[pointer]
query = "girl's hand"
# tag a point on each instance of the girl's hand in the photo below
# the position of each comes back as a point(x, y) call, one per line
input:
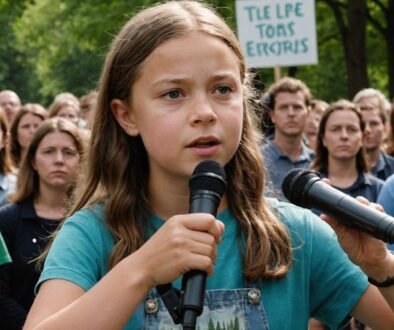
point(183, 243)
point(369, 253)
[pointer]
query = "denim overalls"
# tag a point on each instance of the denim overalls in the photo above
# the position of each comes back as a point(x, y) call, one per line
point(231, 309)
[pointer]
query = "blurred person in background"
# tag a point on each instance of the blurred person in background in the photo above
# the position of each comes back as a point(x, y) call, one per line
point(65, 107)
point(11, 104)
point(46, 181)
point(66, 96)
point(88, 104)
point(390, 139)
point(374, 110)
point(7, 171)
point(316, 110)
point(386, 196)
point(23, 127)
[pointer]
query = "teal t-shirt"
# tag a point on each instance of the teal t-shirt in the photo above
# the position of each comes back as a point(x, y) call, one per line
point(4, 255)
point(322, 282)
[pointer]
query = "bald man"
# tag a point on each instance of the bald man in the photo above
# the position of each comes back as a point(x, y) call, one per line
point(11, 103)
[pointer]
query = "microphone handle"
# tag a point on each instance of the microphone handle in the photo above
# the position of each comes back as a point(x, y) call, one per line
point(194, 281)
point(361, 217)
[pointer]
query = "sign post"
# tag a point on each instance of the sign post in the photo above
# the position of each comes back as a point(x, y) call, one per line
point(276, 33)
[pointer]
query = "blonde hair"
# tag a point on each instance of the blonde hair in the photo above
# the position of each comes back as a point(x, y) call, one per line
point(318, 106)
point(62, 103)
point(117, 164)
point(384, 104)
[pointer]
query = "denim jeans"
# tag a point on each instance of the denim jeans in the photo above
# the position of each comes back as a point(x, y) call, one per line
point(225, 309)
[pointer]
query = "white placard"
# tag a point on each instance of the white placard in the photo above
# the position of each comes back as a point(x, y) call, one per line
point(277, 32)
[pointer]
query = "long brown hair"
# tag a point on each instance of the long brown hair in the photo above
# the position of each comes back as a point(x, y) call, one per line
point(28, 180)
point(5, 156)
point(112, 154)
point(36, 110)
point(320, 162)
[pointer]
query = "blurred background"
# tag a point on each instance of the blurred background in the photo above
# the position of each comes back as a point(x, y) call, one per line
point(51, 46)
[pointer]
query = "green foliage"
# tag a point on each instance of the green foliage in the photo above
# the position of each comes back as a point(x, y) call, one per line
point(52, 46)
point(67, 41)
point(14, 74)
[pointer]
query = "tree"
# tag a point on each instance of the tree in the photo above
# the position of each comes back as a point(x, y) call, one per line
point(353, 35)
point(211, 326)
point(383, 22)
point(14, 74)
point(236, 323)
point(218, 326)
point(51, 46)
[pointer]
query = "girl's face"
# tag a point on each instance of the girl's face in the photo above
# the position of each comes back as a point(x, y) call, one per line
point(69, 113)
point(343, 136)
point(56, 160)
point(26, 128)
point(187, 105)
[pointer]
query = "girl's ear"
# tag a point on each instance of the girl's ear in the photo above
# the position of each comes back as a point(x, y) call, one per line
point(124, 116)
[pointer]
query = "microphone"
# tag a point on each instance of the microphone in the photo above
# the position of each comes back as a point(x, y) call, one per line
point(207, 186)
point(304, 188)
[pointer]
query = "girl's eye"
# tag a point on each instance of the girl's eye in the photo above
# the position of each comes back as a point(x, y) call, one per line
point(172, 95)
point(223, 90)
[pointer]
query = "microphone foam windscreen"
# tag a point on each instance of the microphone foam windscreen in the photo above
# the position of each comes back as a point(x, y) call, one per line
point(208, 175)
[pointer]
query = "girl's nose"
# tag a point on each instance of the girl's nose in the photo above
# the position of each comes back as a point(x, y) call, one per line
point(202, 111)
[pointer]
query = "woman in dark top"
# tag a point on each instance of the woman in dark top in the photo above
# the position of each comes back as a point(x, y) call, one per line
point(341, 158)
point(45, 181)
point(340, 155)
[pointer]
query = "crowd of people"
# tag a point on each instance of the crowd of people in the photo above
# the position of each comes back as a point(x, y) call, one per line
point(40, 159)
point(94, 191)
point(346, 141)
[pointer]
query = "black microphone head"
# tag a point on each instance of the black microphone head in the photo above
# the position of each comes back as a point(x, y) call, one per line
point(210, 176)
point(294, 185)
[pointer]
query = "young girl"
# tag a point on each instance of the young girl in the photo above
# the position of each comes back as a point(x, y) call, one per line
point(174, 92)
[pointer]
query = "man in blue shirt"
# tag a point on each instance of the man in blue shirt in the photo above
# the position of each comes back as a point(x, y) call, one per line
point(373, 105)
point(289, 101)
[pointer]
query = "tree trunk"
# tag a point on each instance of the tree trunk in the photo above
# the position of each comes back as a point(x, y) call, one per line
point(292, 71)
point(353, 36)
point(356, 51)
point(390, 47)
